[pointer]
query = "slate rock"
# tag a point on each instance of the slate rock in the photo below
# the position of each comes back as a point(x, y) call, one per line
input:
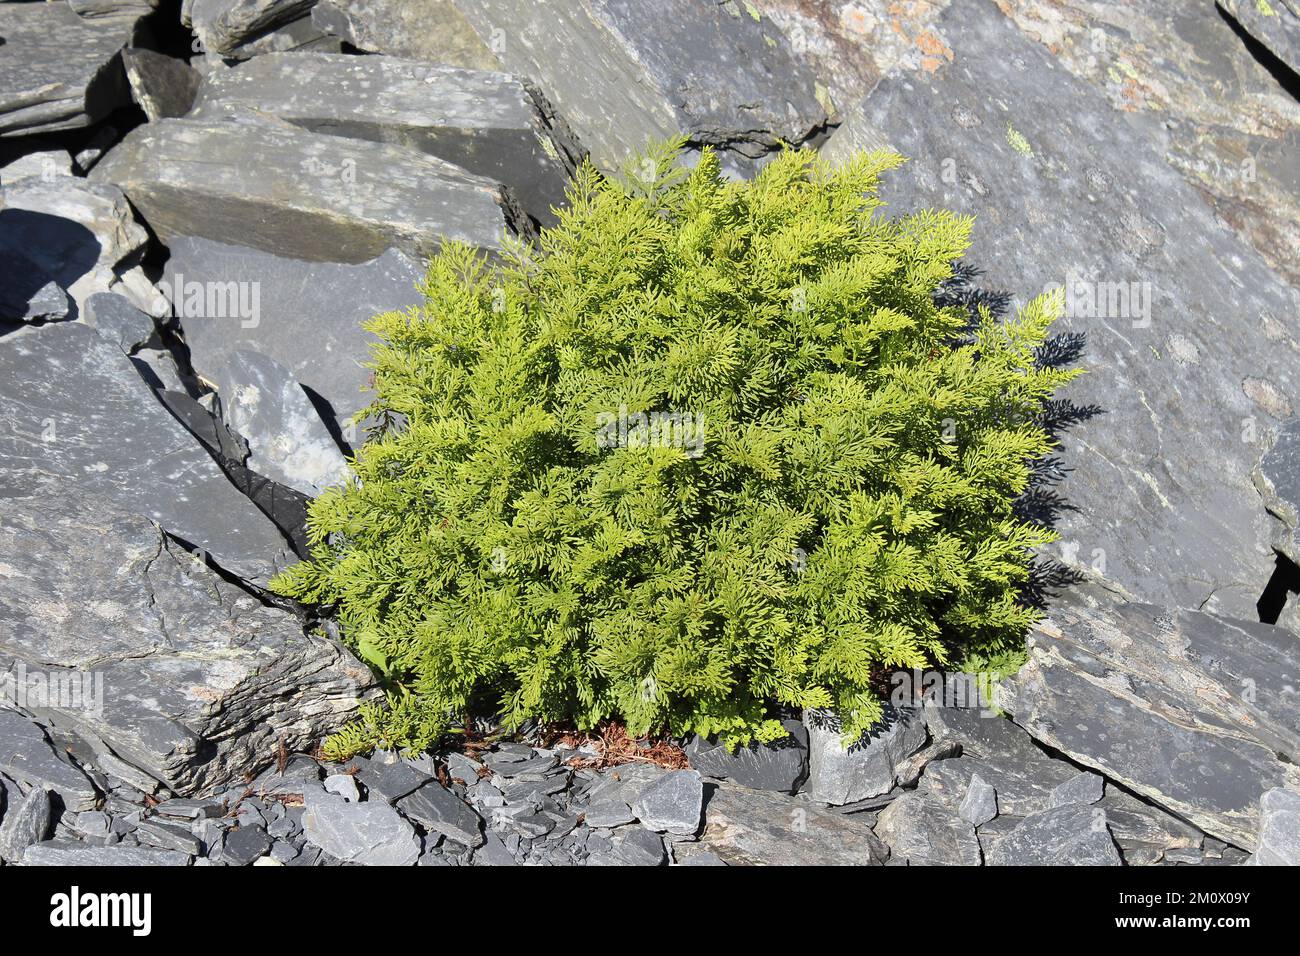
point(126, 449)
point(1083, 790)
point(1179, 373)
point(608, 814)
point(493, 852)
point(302, 35)
point(76, 853)
point(1278, 843)
point(919, 828)
point(198, 682)
point(1145, 833)
point(439, 810)
point(222, 26)
point(488, 123)
point(1277, 477)
point(343, 785)
point(245, 845)
point(28, 293)
point(672, 803)
point(781, 765)
point(1062, 836)
point(370, 833)
point(463, 768)
point(27, 823)
point(839, 775)
point(168, 836)
point(760, 828)
point(980, 805)
point(430, 30)
point(161, 85)
point(27, 756)
point(288, 442)
point(624, 783)
point(1190, 710)
point(59, 71)
point(391, 779)
point(1274, 23)
point(114, 317)
point(275, 187)
point(641, 847)
point(709, 71)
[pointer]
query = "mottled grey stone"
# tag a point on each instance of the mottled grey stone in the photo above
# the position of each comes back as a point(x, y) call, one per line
point(25, 824)
point(168, 836)
point(123, 446)
point(624, 783)
point(433, 31)
point(649, 71)
point(343, 785)
point(187, 808)
point(488, 123)
point(58, 71)
point(1063, 836)
point(1083, 789)
point(222, 26)
point(980, 805)
point(1274, 23)
point(28, 293)
point(460, 767)
point(756, 827)
point(1193, 711)
point(27, 756)
point(161, 85)
point(672, 803)
point(608, 813)
point(180, 673)
point(1158, 484)
point(439, 810)
point(1278, 843)
point(272, 186)
point(370, 833)
point(839, 775)
point(287, 441)
point(533, 767)
point(1278, 479)
point(114, 317)
point(921, 829)
point(74, 853)
point(781, 765)
point(244, 845)
point(494, 853)
point(641, 847)
point(391, 779)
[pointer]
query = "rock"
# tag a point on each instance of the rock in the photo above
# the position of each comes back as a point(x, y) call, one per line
point(120, 322)
point(127, 449)
point(391, 779)
point(25, 824)
point(186, 808)
point(439, 810)
point(672, 803)
point(1193, 711)
point(370, 833)
point(980, 805)
point(1277, 477)
point(624, 783)
point(533, 768)
point(26, 754)
point(59, 71)
point(494, 853)
point(709, 71)
point(343, 785)
point(222, 26)
point(745, 827)
point(294, 193)
point(641, 847)
point(1062, 836)
point(244, 845)
point(288, 442)
point(46, 165)
point(300, 35)
point(1081, 790)
point(206, 682)
point(75, 853)
point(490, 124)
point(781, 765)
point(1278, 843)
point(460, 767)
point(80, 235)
point(837, 776)
point(1145, 833)
point(1274, 23)
point(168, 836)
point(28, 293)
point(430, 30)
point(920, 829)
point(1177, 376)
point(608, 814)
point(160, 85)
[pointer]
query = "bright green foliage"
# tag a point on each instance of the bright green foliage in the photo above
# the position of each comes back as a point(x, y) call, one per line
point(848, 509)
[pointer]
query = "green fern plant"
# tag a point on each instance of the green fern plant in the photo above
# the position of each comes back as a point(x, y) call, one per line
point(708, 450)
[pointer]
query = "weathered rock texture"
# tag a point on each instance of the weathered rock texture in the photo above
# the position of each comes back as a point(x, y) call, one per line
point(430, 30)
point(1176, 318)
point(161, 85)
point(222, 26)
point(1274, 23)
point(278, 188)
point(1278, 481)
point(198, 682)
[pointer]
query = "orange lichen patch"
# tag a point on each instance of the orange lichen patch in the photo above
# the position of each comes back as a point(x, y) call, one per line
point(931, 45)
point(931, 63)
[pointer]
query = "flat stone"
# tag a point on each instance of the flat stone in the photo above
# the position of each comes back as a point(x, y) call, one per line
point(1277, 476)
point(624, 783)
point(921, 829)
point(114, 317)
point(391, 779)
point(27, 823)
point(176, 671)
point(28, 293)
point(126, 449)
point(59, 71)
point(1187, 349)
point(672, 803)
point(161, 85)
point(494, 853)
point(439, 810)
point(460, 767)
point(1274, 23)
point(275, 187)
point(370, 833)
point(1153, 698)
point(1278, 843)
point(75, 853)
point(781, 765)
point(1145, 833)
point(288, 442)
point(43, 164)
point(244, 845)
point(649, 71)
point(745, 827)
point(1063, 836)
point(343, 785)
point(186, 808)
point(532, 767)
point(168, 836)
point(980, 805)
point(488, 123)
point(1084, 789)
point(608, 813)
point(641, 847)
point(222, 26)
point(430, 30)
point(839, 775)
point(27, 756)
